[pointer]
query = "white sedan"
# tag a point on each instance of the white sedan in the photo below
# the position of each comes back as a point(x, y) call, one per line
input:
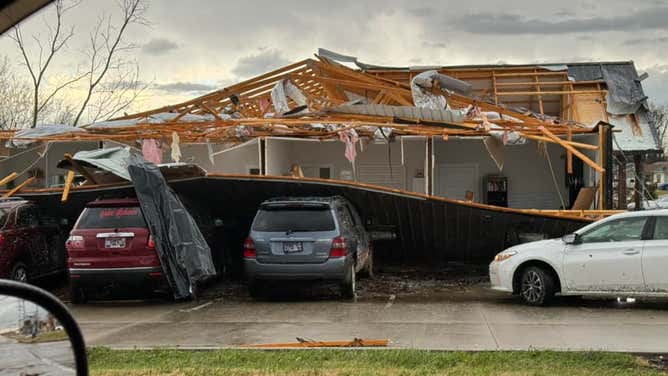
point(623, 255)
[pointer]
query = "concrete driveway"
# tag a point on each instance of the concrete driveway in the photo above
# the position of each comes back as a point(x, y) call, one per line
point(455, 318)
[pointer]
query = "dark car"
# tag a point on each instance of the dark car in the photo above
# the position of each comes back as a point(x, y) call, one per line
point(307, 238)
point(31, 242)
point(110, 249)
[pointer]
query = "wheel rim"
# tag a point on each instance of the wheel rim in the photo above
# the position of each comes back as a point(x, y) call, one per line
point(20, 275)
point(532, 287)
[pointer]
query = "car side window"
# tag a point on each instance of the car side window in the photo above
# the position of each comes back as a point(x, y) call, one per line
point(624, 229)
point(661, 228)
point(351, 214)
point(344, 215)
point(27, 217)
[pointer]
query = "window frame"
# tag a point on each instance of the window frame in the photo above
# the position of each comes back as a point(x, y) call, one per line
point(646, 233)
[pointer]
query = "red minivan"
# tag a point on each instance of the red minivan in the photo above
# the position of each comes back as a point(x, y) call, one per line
point(110, 250)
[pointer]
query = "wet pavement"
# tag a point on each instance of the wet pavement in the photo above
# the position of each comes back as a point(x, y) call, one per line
point(51, 358)
point(418, 312)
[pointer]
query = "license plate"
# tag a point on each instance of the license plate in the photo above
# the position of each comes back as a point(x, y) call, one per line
point(293, 247)
point(114, 243)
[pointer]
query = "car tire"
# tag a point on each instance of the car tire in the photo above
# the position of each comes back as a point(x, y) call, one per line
point(537, 286)
point(255, 289)
point(349, 283)
point(78, 295)
point(20, 273)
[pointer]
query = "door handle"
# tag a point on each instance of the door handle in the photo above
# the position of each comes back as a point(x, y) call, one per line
point(631, 251)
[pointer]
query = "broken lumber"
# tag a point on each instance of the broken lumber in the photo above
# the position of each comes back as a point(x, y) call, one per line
point(8, 178)
point(357, 342)
point(68, 186)
point(19, 187)
point(573, 150)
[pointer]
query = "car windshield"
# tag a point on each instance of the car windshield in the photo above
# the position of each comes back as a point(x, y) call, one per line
point(294, 219)
point(111, 217)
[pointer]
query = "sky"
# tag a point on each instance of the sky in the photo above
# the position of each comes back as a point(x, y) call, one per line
point(193, 47)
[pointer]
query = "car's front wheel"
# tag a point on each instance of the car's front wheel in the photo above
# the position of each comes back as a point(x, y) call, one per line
point(536, 286)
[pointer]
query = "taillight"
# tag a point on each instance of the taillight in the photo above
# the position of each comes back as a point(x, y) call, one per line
point(338, 247)
point(75, 242)
point(249, 248)
point(2, 240)
point(151, 243)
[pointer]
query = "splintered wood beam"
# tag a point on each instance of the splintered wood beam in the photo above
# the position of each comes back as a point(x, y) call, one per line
point(569, 154)
point(80, 168)
point(68, 186)
point(556, 92)
point(8, 178)
point(573, 150)
point(210, 110)
point(572, 143)
point(19, 187)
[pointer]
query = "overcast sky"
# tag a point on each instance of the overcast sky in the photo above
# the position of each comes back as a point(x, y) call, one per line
point(192, 47)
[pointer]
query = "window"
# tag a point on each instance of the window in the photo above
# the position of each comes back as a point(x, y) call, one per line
point(112, 217)
point(661, 228)
point(624, 229)
point(285, 219)
point(27, 217)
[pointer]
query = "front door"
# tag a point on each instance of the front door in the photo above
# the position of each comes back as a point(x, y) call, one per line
point(608, 257)
point(655, 257)
point(455, 179)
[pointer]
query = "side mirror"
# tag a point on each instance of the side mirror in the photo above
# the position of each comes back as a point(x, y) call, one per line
point(571, 238)
point(40, 317)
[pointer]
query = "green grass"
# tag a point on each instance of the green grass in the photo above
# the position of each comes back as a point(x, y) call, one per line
point(108, 362)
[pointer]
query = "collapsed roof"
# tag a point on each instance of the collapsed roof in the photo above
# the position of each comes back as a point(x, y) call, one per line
point(322, 98)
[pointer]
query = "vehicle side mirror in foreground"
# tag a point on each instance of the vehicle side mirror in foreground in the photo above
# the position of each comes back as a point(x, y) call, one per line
point(571, 238)
point(39, 334)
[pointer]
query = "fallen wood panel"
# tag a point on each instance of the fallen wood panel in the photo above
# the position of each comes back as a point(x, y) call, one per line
point(430, 231)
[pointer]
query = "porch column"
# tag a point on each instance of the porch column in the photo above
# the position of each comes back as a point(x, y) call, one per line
point(621, 184)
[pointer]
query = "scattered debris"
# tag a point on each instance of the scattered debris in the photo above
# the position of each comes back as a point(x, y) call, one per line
point(301, 342)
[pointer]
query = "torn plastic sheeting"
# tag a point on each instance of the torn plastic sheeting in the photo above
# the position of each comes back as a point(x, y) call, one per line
point(283, 90)
point(184, 254)
point(422, 89)
point(25, 137)
point(160, 117)
point(114, 160)
point(404, 112)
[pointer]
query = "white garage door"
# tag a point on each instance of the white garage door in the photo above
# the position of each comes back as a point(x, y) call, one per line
point(454, 179)
point(379, 174)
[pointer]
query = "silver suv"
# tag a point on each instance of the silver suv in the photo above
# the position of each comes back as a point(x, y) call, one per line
point(307, 238)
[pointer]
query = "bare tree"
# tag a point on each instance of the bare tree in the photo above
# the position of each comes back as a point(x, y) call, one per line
point(111, 82)
point(15, 98)
point(106, 46)
point(658, 115)
point(55, 42)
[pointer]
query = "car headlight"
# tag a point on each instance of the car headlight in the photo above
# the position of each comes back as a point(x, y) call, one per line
point(504, 255)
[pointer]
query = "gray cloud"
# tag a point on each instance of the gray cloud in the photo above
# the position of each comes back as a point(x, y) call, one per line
point(159, 46)
point(507, 23)
point(184, 87)
point(635, 41)
point(261, 62)
point(655, 86)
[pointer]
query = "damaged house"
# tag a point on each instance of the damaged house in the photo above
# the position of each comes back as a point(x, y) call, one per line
point(533, 143)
